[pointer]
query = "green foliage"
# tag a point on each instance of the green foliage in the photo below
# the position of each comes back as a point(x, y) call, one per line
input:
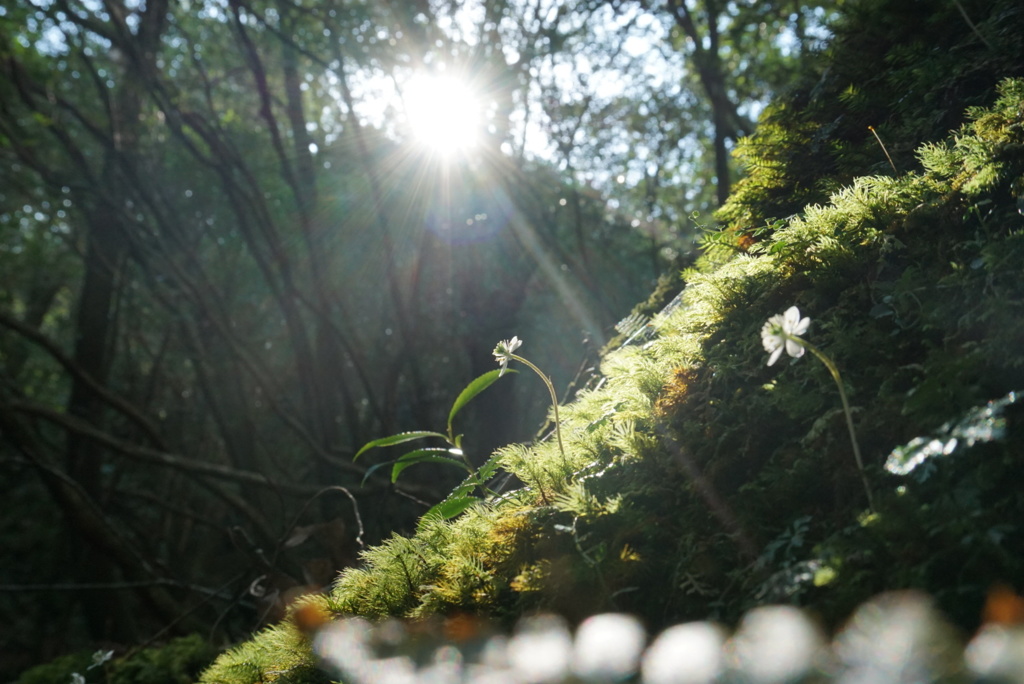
point(910, 70)
point(447, 565)
point(279, 653)
point(179, 661)
point(461, 497)
point(699, 483)
point(952, 525)
point(57, 670)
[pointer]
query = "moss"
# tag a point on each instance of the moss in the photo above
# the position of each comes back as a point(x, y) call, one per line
point(697, 482)
point(910, 70)
point(179, 661)
point(57, 670)
point(280, 653)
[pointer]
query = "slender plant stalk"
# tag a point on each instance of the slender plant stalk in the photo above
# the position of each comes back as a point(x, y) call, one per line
point(970, 23)
point(846, 410)
point(554, 400)
point(875, 133)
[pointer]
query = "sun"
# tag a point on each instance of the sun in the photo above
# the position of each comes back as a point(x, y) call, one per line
point(443, 114)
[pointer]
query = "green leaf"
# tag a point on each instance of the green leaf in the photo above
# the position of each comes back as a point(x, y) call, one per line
point(451, 507)
point(423, 456)
point(459, 500)
point(487, 470)
point(372, 469)
point(413, 455)
point(472, 389)
point(400, 438)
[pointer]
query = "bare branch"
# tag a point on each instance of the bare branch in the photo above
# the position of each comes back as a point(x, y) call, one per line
point(113, 400)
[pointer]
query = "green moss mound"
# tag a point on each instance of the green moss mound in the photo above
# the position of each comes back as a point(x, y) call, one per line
point(698, 482)
point(179, 661)
point(896, 74)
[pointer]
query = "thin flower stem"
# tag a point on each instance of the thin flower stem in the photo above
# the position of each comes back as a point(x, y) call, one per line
point(875, 133)
point(970, 23)
point(846, 410)
point(554, 400)
point(469, 466)
point(457, 446)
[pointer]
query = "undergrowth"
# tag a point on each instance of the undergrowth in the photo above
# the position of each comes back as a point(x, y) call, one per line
point(699, 483)
point(179, 661)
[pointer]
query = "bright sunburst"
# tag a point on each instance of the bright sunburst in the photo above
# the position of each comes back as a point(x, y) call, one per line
point(443, 113)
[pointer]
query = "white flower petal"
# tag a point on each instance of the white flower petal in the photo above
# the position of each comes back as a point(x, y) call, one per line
point(776, 644)
point(997, 653)
point(792, 318)
point(540, 650)
point(685, 654)
point(345, 644)
point(897, 637)
point(100, 657)
point(608, 647)
point(503, 352)
point(782, 331)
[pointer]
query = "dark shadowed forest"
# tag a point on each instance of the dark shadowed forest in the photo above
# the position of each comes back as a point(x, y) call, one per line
point(676, 308)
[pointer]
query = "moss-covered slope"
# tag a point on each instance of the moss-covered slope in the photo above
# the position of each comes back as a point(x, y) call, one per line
point(698, 482)
point(896, 74)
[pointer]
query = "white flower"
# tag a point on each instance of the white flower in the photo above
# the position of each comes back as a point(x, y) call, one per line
point(777, 644)
point(100, 657)
point(608, 647)
point(690, 653)
point(540, 652)
point(76, 678)
point(781, 332)
point(503, 352)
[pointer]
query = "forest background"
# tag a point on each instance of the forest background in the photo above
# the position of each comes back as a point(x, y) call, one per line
point(228, 262)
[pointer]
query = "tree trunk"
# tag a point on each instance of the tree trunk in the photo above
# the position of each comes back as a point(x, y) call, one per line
point(708, 63)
